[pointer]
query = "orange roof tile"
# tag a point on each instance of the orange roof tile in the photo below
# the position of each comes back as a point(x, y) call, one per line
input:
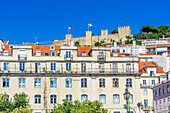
point(82, 49)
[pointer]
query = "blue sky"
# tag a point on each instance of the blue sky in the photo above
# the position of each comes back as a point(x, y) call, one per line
point(22, 20)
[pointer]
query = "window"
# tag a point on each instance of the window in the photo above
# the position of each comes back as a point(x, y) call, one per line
point(37, 99)
point(6, 53)
point(156, 94)
point(102, 83)
point(156, 105)
point(38, 53)
point(6, 66)
point(10, 47)
point(129, 82)
point(5, 83)
point(145, 92)
point(83, 82)
point(84, 97)
point(68, 54)
point(123, 50)
point(69, 97)
point(146, 103)
point(168, 90)
point(83, 67)
point(116, 99)
point(144, 82)
point(163, 90)
point(115, 68)
point(53, 99)
point(164, 103)
point(83, 53)
point(22, 83)
point(153, 82)
point(160, 104)
point(131, 99)
point(168, 102)
point(22, 66)
point(53, 83)
point(37, 83)
point(68, 66)
point(52, 66)
point(152, 73)
point(46, 54)
point(128, 67)
point(102, 98)
point(52, 48)
point(53, 53)
point(159, 91)
point(115, 82)
point(68, 82)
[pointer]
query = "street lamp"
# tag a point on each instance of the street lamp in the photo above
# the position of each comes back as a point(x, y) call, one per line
point(126, 96)
point(140, 106)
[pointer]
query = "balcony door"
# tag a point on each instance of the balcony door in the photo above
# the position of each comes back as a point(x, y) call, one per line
point(83, 67)
point(37, 68)
point(101, 67)
point(68, 54)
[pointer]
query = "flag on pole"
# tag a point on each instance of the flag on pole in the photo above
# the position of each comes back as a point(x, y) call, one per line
point(90, 25)
point(70, 28)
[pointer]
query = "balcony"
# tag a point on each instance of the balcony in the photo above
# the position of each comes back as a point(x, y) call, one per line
point(103, 71)
point(22, 57)
point(101, 58)
point(68, 57)
point(147, 85)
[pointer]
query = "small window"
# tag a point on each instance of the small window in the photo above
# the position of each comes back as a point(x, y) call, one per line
point(10, 47)
point(53, 82)
point(22, 83)
point(116, 99)
point(68, 82)
point(5, 83)
point(38, 53)
point(83, 53)
point(84, 97)
point(46, 54)
point(83, 82)
point(145, 92)
point(53, 99)
point(129, 82)
point(69, 97)
point(102, 83)
point(37, 83)
point(52, 48)
point(102, 98)
point(6, 53)
point(115, 82)
point(37, 99)
point(52, 53)
point(37, 48)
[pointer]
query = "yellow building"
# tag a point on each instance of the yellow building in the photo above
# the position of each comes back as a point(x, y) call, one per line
point(152, 74)
point(50, 73)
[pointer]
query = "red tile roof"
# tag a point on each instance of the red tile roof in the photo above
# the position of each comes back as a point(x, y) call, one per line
point(83, 49)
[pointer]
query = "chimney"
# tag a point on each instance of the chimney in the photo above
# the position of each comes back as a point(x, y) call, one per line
point(115, 44)
point(134, 42)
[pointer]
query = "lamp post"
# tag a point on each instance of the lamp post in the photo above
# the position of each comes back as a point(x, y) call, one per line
point(140, 106)
point(126, 97)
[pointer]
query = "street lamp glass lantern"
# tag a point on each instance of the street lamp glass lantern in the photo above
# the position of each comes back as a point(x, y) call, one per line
point(126, 95)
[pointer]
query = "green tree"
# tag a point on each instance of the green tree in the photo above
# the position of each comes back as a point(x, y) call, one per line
point(77, 43)
point(78, 107)
point(19, 103)
point(149, 29)
point(128, 37)
point(97, 44)
point(114, 31)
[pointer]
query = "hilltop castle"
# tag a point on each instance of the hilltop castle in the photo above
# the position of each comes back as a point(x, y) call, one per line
point(89, 39)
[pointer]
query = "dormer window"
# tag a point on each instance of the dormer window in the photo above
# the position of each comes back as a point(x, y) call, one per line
point(37, 48)
point(6, 53)
point(38, 53)
point(52, 53)
point(10, 47)
point(83, 53)
point(152, 73)
point(52, 48)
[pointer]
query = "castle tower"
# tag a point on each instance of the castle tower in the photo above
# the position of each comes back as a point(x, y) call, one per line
point(123, 32)
point(68, 38)
point(104, 35)
point(88, 37)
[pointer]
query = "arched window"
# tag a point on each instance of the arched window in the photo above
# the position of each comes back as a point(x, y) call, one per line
point(131, 99)
point(102, 98)
point(69, 97)
point(37, 99)
point(116, 99)
point(84, 97)
point(53, 99)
